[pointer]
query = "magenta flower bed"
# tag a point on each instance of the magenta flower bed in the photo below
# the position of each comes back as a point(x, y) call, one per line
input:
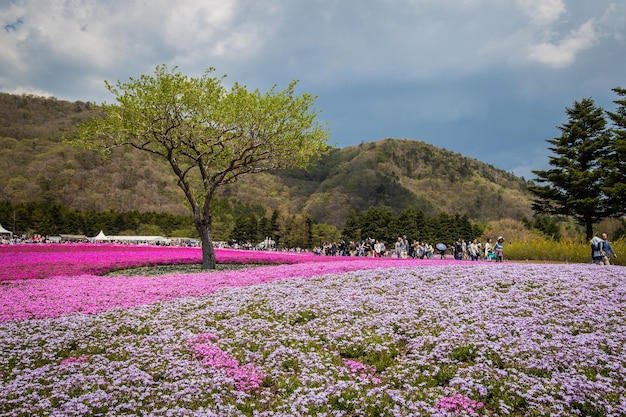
point(44, 261)
point(67, 289)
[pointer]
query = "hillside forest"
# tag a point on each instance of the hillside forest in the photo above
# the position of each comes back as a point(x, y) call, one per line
point(378, 189)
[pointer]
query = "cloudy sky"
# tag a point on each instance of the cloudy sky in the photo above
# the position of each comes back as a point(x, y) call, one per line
point(489, 79)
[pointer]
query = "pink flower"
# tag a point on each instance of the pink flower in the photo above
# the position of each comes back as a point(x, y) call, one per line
point(246, 377)
point(72, 360)
point(361, 370)
point(458, 402)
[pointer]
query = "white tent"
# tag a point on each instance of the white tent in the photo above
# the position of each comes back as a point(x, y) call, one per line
point(101, 237)
point(4, 231)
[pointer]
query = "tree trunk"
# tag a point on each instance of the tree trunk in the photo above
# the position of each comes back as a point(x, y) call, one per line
point(208, 250)
point(589, 229)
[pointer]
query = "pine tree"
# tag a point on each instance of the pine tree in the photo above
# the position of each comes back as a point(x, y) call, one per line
point(351, 229)
point(614, 185)
point(572, 187)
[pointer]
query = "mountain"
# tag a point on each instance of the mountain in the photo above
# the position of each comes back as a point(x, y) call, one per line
point(397, 173)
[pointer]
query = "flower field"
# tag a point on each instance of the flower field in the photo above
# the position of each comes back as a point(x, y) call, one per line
point(314, 336)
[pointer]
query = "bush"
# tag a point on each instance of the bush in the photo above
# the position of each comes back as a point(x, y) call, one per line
point(567, 251)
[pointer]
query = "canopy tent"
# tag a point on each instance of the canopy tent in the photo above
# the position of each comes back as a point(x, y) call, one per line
point(101, 237)
point(4, 231)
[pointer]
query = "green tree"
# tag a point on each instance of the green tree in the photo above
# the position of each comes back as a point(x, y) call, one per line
point(296, 232)
point(443, 229)
point(572, 187)
point(209, 136)
point(273, 230)
point(245, 229)
point(351, 229)
point(405, 224)
point(614, 185)
point(322, 232)
point(375, 224)
point(546, 225)
point(424, 226)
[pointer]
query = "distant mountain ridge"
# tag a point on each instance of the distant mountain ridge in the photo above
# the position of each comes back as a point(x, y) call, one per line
point(396, 173)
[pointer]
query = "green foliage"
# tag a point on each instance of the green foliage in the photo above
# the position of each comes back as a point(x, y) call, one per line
point(379, 223)
point(53, 219)
point(573, 185)
point(375, 223)
point(464, 353)
point(614, 185)
point(208, 135)
point(46, 219)
point(588, 181)
point(566, 251)
point(351, 230)
point(444, 374)
point(296, 232)
point(246, 230)
point(548, 226)
point(39, 167)
point(620, 233)
point(322, 232)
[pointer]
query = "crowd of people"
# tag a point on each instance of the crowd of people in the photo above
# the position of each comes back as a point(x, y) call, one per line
point(406, 248)
point(474, 250)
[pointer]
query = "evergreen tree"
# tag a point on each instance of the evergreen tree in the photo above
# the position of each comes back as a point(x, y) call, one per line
point(245, 230)
point(572, 187)
point(614, 184)
point(309, 229)
point(424, 227)
point(375, 224)
point(463, 227)
point(405, 224)
point(274, 228)
point(351, 229)
point(443, 229)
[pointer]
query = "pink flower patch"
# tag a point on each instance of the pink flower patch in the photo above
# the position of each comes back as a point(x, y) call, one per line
point(246, 377)
point(72, 360)
point(458, 402)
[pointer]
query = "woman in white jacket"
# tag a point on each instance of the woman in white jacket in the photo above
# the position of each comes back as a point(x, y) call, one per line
point(488, 250)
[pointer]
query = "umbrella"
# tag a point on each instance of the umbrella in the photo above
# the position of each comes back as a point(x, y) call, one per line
point(441, 246)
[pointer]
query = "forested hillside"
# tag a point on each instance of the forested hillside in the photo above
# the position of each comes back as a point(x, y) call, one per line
point(396, 174)
point(391, 173)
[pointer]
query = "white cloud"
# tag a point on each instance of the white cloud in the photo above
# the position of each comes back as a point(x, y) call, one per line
point(212, 26)
point(563, 53)
point(542, 12)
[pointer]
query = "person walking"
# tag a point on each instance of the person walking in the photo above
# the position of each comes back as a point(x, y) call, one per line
point(596, 250)
point(499, 249)
point(488, 250)
point(473, 250)
point(607, 250)
point(458, 250)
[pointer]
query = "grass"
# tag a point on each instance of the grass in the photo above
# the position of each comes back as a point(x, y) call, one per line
point(565, 251)
point(156, 270)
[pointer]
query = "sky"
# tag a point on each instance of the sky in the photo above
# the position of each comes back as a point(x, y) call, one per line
point(489, 79)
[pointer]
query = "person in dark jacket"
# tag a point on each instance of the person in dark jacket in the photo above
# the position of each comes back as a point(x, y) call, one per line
point(607, 249)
